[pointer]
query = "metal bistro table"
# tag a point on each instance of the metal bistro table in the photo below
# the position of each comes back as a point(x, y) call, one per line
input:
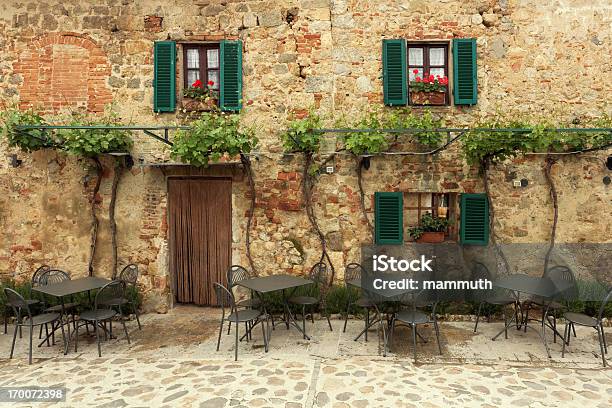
point(71, 287)
point(273, 283)
point(536, 286)
point(381, 296)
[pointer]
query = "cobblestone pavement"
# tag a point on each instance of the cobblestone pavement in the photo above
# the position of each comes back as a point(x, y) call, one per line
point(172, 362)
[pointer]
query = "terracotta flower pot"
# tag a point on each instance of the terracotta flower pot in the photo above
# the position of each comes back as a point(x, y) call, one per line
point(198, 105)
point(428, 98)
point(431, 237)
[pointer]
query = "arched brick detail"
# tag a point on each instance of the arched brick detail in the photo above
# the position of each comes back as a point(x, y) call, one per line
point(64, 70)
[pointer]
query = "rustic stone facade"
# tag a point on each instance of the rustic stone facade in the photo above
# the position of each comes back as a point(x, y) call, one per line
point(550, 60)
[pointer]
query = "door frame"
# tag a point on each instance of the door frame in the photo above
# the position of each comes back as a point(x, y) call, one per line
point(171, 273)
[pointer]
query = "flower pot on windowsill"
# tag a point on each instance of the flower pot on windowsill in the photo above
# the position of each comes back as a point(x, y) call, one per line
point(199, 105)
point(431, 237)
point(428, 98)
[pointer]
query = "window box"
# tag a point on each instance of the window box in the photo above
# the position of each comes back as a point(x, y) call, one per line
point(199, 105)
point(431, 237)
point(428, 98)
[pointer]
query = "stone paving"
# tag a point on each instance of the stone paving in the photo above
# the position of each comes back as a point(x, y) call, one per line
point(172, 362)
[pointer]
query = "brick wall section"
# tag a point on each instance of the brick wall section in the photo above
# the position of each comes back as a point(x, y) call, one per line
point(63, 70)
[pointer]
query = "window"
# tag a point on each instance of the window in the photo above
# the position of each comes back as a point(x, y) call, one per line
point(431, 59)
point(201, 61)
point(442, 205)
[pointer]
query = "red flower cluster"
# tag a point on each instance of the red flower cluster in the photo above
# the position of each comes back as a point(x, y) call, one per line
point(430, 79)
point(198, 84)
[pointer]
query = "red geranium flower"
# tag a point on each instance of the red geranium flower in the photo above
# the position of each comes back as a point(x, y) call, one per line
point(211, 83)
point(431, 78)
point(415, 71)
point(418, 79)
point(197, 84)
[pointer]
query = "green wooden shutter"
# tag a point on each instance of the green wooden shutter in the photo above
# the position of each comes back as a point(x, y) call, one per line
point(231, 75)
point(394, 72)
point(164, 82)
point(474, 219)
point(389, 222)
point(465, 84)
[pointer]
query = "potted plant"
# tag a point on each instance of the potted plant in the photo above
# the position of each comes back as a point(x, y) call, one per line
point(199, 97)
point(428, 90)
point(430, 229)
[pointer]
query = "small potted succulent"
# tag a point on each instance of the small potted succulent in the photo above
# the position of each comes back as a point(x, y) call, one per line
point(430, 229)
point(428, 90)
point(200, 97)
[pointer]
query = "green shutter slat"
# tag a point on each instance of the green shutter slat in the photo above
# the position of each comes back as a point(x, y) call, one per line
point(389, 220)
point(465, 83)
point(395, 84)
point(474, 229)
point(164, 81)
point(231, 75)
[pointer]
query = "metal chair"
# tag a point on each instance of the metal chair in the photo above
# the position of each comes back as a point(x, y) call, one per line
point(318, 274)
point(557, 274)
point(53, 276)
point(353, 271)
point(103, 312)
point(235, 274)
point(581, 319)
point(19, 304)
point(250, 317)
point(414, 316)
point(30, 301)
point(503, 298)
point(128, 275)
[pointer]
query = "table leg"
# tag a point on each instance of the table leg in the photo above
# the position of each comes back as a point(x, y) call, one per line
point(290, 318)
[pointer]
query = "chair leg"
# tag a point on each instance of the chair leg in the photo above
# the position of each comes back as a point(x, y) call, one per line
point(97, 337)
point(220, 331)
point(40, 331)
point(603, 354)
point(127, 336)
point(236, 343)
point(565, 338)
point(46, 333)
point(367, 323)
point(437, 335)
point(136, 313)
point(263, 331)
point(574, 329)
point(304, 320)
point(526, 321)
point(516, 320)
point(229, 326)
point(554, 329)
point(478, 317)
point(414, 341)
point(14, 338)
point(31, 335)
point(603, 336)
point(76, 337)
point(348, 307)
point(327, 317)
point(312, 316)
point(64, 342)
point(505, 322)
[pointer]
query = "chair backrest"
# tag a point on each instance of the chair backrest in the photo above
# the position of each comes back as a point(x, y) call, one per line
point(129, 274)
point(318, 273)
point(235, 274)
point(110, 291)
point(352, 271)
point(602, 308)
point(563, 276)
point(480, 271)
point(38, 273)
point(225, 298)
point(16, 301)
point(53, 276)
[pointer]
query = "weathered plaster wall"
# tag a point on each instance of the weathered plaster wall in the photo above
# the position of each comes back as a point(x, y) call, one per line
point(540, 58)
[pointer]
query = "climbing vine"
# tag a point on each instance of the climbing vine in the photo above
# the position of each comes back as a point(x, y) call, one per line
point(302, 136)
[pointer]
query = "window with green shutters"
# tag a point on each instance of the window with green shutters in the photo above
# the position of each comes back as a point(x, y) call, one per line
point(474, 228)
point(164, 80)
point(394, 72)
point(389, 220)
point(465, 83)
point(231, 75)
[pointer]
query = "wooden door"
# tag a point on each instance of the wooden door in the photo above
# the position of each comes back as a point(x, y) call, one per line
point(200, 231)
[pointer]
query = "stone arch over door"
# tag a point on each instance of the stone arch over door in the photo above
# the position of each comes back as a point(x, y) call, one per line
point(63, 70)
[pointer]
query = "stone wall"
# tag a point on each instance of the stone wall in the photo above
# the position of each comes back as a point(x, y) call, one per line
point(550, 60)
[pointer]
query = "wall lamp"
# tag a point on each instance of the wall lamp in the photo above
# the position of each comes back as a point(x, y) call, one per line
point(609, 163)
point(14, 161)
point(365, 162)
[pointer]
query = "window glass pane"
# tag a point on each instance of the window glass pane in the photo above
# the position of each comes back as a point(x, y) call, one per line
point(415, 56)
point(412, 75)
point(193, 59)
point(437, 71)
point(214, 76)
point(192, 76)
point(212, 58)
point(436, 56)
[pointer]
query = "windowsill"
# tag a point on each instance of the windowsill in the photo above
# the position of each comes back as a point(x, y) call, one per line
point(194, 105)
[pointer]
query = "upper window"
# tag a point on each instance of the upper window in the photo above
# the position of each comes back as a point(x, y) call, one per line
point(201, 62)
point(428, 61)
